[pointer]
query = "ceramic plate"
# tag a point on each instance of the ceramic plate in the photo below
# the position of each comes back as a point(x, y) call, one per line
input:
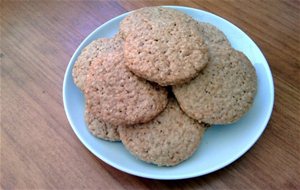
point(221, 145)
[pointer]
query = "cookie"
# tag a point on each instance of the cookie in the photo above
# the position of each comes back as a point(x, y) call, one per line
point(224, 90)
point(87, 55)
point(117, 96)
point(163, 45)
point(167, 140)
point(101, 129)
point(212, 36)
point(141, 19)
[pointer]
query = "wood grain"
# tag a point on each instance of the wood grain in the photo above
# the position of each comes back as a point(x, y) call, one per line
point(39, 150)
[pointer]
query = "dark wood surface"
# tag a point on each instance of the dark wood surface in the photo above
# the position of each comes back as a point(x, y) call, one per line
point(39, 150)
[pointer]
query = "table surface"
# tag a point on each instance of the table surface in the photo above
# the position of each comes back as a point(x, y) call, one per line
point(39, 150)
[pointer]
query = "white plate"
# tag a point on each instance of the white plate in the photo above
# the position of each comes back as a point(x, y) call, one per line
point(221, 145)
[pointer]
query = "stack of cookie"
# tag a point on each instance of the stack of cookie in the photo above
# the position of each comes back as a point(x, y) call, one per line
point(160, 82)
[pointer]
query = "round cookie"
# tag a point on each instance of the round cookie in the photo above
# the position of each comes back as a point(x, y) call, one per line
point(143, 18)
point(101, 129)
point(116, 96)
point(167, 140)
point(163, 45)
point(224, 90)
point(212, 36)
point(87, 55)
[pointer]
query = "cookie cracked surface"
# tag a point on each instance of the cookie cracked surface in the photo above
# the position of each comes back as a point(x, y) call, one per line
point(223, 92)
point(116, 96)
point(163, 45)
point(88, 54)
point(101, 129)
point(167, 140)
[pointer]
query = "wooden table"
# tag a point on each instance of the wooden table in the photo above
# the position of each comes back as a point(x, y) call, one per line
point(39, 150)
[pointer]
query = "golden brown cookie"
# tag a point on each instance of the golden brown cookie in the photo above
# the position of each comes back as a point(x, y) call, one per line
point(163, 45)
point(87, 55)
point(212, 36)
point(101, 129)
point(117, 96)
point(224, 90)
point(167, 140)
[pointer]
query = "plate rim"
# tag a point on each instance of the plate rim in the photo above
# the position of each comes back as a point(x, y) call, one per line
point(170, 177)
